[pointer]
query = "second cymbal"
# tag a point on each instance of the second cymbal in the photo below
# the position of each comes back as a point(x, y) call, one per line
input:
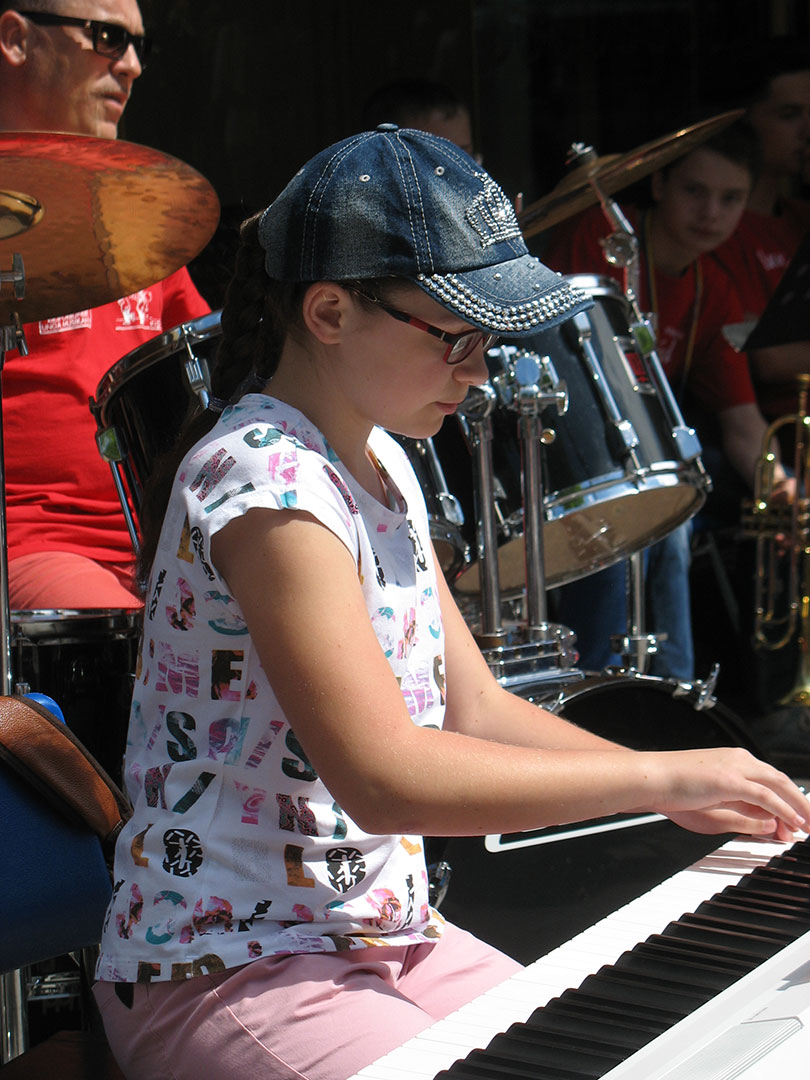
point(612, 172)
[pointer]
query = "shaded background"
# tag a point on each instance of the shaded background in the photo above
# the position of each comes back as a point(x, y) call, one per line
point(247, 92)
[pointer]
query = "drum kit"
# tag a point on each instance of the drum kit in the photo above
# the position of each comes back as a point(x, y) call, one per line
point(84, 221)
point(572, 456)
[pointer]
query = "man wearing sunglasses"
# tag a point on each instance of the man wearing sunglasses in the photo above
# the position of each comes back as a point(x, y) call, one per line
point(69, 66)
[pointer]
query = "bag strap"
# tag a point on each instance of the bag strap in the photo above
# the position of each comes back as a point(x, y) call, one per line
point(47, 754)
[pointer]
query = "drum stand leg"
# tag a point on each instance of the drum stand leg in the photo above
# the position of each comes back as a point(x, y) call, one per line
point(517, 661)
point(636, 646)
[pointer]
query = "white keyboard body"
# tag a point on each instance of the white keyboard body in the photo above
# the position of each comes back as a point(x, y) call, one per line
point(565, 967)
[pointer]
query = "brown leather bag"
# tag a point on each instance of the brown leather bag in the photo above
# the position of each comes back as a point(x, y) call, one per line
point(45, 752)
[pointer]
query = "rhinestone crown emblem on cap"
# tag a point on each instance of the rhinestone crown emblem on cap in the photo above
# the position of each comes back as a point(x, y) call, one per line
point(492, 215)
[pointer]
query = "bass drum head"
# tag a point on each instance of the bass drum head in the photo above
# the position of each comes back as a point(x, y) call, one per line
point(647, 713)
point(526, 893)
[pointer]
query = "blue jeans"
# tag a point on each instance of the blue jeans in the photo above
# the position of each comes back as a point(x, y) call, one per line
point(595, 608)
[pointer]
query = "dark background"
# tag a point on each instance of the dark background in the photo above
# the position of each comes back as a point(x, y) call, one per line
point(247, 92)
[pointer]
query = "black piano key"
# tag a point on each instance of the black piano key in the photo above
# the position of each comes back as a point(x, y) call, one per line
point(747, 914)
point(783, 882)
point(698, 930)
point(644, 1010)
point(480, 1065)
point(580, 1054)
point(758, 896)
point(630, 1037)
point(770, 938)
point(609, 983)
point(575, 1003)
point(789, 864)
point(653, 986)
point(672, 971)
point(759, 922)
point(771, 890)
point(679, 937)
point(707, 958)
point(800, 851)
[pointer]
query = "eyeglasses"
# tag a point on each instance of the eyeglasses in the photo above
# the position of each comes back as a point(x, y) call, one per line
point(459, 346)
point(109, 39)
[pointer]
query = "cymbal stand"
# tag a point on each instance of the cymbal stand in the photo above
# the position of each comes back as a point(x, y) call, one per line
point(621, 249)
point(530, 389)
point(14, 1030)
point(475, 412)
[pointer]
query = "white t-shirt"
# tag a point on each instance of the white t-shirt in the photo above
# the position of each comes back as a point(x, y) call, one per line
point(236, 850)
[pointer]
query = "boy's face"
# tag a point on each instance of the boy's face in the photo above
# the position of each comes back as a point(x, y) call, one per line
point(782, 124)
point(699, 201)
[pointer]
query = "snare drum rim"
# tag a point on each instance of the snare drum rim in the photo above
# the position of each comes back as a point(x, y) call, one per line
point(70, 625)
point(598, 285)
point(149, 353)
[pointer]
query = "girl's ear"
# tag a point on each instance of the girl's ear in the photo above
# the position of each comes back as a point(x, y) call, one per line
point(324, 309)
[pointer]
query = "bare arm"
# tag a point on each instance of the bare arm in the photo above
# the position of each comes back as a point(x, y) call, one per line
point(743, 430)
point(314, 637)
point(780, 363)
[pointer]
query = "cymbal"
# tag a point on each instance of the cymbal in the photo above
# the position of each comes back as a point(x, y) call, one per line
point(94, 220)
point(614, 172)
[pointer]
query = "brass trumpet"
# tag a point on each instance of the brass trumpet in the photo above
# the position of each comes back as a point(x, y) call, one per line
point(782, 533)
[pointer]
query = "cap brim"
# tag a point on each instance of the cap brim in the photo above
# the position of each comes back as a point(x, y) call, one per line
point(513, 298)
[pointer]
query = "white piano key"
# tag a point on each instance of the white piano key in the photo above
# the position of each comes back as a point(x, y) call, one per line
point(477, 1022)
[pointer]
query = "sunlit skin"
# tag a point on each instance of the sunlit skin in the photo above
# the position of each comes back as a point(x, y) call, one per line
point(347, 366)
point(699, 202)
point(370, 369)
point(52, 80)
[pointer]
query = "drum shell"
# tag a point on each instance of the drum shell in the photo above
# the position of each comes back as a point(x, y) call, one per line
point(145, 397)
point(599, 506)
point(85, 660)
point(527, 893)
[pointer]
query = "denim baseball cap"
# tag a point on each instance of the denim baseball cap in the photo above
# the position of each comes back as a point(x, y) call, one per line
point(396, 202)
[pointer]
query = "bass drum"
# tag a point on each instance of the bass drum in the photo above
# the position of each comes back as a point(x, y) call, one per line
point(526, 893)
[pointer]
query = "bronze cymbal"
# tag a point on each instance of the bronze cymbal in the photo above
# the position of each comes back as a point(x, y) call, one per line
point(575, 192)
point(94, 220)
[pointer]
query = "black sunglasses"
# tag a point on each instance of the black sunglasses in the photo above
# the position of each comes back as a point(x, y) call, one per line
point(109, 39)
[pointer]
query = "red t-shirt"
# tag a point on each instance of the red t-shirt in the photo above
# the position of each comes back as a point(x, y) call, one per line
point(717, 377)
point(60, 494)
point(756, 256)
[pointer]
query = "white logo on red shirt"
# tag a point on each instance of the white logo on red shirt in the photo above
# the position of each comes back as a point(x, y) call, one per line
point(135, 313)
point(79, 320)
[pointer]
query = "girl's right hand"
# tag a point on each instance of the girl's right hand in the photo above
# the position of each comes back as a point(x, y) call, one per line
point(729, 790)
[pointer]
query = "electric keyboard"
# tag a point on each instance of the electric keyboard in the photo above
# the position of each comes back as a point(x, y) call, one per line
point(695, 987)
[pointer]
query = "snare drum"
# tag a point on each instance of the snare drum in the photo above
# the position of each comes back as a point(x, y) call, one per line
point(601, 503)
point(141, 402)
point(85, 660)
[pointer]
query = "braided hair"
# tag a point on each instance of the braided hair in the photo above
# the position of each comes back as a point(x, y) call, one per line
point(258, 314)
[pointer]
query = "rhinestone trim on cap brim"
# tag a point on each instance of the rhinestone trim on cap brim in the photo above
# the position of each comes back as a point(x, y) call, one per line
point(553, 307)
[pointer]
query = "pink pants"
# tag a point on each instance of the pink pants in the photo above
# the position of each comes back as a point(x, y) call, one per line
point(318, 1017)
point(60, 579)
